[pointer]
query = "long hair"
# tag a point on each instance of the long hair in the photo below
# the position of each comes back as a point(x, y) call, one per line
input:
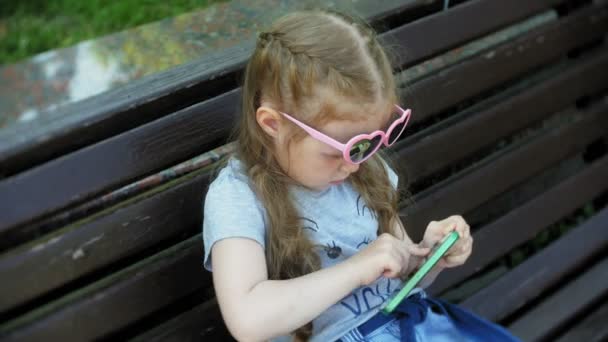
point(300, 59)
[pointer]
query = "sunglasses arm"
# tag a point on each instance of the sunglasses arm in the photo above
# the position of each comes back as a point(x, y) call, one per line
point(318, 135)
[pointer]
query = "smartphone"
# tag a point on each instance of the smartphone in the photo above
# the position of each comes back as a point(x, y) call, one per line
point(436, 253)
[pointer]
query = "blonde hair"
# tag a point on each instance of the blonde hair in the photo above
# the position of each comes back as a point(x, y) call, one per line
point(301, 53)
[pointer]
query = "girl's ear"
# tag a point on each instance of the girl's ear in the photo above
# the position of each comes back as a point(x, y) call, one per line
point(269, 119)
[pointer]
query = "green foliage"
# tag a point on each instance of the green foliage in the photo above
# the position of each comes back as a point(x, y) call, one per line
point(28, 27)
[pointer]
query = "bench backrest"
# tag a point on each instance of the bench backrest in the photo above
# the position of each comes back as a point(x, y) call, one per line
point(497, 121)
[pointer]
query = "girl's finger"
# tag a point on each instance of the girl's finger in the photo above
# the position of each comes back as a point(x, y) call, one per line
point(442, 263)
point(418, 251)
point(448, 228)
point(455, 260)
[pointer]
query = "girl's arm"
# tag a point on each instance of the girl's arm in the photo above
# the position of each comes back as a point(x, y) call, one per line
point(255, 308)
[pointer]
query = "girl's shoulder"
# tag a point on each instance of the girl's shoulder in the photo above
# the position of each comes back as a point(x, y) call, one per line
point(230, 175)
point(231, 188)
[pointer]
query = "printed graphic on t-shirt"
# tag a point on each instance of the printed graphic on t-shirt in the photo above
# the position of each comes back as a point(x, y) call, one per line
point(361, 211)
point(365, 242)
point(333, 251)
point(367, 298)
point(310, 224)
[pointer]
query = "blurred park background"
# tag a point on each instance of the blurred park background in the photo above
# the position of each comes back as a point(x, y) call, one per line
point(29, 27)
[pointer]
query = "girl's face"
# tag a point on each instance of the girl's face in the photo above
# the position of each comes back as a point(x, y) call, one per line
point(317, 165)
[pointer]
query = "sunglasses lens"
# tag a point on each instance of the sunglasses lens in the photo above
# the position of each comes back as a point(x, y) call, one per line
point(363, 148)
point(396, 132)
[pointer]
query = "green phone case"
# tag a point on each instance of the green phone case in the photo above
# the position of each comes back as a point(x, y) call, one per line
point(426, 267)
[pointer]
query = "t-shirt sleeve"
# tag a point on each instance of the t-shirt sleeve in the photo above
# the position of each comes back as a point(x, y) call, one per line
point(231, 209)
point(392, 175)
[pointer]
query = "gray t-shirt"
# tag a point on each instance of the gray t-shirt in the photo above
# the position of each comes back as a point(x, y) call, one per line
point(336, 219)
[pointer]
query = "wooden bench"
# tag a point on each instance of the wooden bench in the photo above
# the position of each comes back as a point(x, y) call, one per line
point(100, 230)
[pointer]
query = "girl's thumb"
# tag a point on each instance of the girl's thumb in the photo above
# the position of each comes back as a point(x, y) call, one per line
point(418, 251)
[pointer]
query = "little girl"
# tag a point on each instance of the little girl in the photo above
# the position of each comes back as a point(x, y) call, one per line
point(301, 226)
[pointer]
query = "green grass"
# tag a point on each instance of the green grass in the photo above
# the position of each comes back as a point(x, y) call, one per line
point(28, 27)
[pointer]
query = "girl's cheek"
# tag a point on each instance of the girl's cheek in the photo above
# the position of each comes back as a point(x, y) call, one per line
point(331, 160)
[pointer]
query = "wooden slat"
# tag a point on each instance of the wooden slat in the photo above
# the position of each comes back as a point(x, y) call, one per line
point(185, 326)
point(459, 25)
point(592, 328)
point(98, 241)
point(85, 122)
point(506, 61)
point(495, 175)
point(112, 302)
point(116, 111)
point(542, 322)
point(108, 238)
point(154, 146)
point(113, 162)
point(578, 190)
point(527, 281)
point(203, 323)
point(468, 133)
point(117, 300)
point(523, 223)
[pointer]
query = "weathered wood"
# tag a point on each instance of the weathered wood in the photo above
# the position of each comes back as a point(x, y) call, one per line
point(98, 241)
point(128, 229)
point(105, 305)
point(71, 273)
point(178, 136)
point(494, 175)
point(203, 323)
point(186, 327)
point(545, 269)
point(553, 313)
point(157, 95)
point(592, 328)
point(466, 132)
point(77, 125)
point(116, 301)
point(523, 223)
point(505, 62)
point(114, 162)
point(458, 25)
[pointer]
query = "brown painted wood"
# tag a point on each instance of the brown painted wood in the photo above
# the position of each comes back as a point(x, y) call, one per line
point(77, 125)
point(186, 327)
point(198, 265)
point(506, 61)
point(113, 162)
point(75, 318)
point(458, 25)
point(547, 268)
point(523, 223)
point(152, 97)
point(494, 175)
point(592, 328)
point(464, 133)
point(76, 251)
point(116, 301)
point(164, 142)
point(110, 237)
point(203, 323)
point(554, 313)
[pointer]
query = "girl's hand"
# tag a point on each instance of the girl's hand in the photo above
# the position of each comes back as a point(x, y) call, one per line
point(387, 256)
point(460, 252)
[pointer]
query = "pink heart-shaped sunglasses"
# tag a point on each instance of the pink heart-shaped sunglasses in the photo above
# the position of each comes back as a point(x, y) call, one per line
point(361, 147)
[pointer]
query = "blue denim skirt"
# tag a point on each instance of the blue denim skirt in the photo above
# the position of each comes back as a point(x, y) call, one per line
point(422, 318)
